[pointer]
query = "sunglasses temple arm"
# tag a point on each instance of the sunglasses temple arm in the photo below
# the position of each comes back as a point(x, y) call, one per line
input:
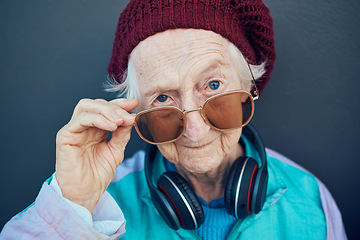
point(256, 91)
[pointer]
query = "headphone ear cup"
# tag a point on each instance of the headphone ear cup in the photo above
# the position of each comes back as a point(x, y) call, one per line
point(165, 209)
point(239, 187)
point(260, 189)
point(228, 195)
point(183, 200)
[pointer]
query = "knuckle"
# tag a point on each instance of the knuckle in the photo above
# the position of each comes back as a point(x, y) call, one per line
point(60, 133)
point(100, 100)
point(82, 104)
point(84, 101)
point(120, 111)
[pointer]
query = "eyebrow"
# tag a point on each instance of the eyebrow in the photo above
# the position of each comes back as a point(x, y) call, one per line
point(158, 89)
point(214, 64)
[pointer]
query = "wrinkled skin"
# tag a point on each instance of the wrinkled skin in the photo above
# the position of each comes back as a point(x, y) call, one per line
point(179, 66)
point(85, 162)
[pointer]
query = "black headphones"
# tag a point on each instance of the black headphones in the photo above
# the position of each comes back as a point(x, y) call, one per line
point(245, 189)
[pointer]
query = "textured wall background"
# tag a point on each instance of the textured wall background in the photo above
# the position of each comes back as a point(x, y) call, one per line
point(53, 53)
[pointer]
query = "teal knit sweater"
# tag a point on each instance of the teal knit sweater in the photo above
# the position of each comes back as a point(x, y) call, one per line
point(218, 223)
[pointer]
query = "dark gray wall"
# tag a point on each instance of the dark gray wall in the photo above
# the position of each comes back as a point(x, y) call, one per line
point(53, 53)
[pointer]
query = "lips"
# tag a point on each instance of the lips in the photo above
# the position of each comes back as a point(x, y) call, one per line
point(200, 147)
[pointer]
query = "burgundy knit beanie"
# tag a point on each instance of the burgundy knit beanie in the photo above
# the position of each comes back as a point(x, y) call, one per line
point(245, 23)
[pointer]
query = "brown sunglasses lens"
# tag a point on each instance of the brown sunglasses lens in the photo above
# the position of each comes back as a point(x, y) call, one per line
point(229, 111)
point(223, 112)
point(160, 125)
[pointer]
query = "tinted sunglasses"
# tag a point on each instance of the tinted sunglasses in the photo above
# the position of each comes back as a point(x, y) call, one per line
point(222, 112)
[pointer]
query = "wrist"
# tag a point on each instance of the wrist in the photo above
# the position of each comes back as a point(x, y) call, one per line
point(89, 203)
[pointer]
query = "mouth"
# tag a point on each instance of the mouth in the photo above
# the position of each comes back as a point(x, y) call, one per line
point(200, 147)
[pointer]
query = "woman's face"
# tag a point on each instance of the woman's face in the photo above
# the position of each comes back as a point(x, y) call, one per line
point(183, 68)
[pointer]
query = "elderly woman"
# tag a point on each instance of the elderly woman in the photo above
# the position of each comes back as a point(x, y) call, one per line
point(191, 71)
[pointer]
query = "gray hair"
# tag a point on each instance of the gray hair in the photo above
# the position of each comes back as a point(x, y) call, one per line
point(129, 88)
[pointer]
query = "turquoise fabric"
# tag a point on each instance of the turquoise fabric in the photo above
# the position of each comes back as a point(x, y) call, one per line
point(218, 223)
point(292, 209)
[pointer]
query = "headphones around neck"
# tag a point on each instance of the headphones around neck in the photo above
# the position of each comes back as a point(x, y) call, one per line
point(245, 189)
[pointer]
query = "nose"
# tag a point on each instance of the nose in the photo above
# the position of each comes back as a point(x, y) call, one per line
point(196, 128)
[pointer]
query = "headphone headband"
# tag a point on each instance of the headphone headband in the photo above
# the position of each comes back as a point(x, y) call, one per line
point(252, 134)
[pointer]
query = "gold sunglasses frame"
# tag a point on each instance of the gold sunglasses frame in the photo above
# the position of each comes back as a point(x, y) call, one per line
point(253, 97)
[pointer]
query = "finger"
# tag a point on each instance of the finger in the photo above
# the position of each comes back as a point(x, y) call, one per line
point(101, 106)
point(89, 105)
point(126, 104)
point(119, 116)
point(118, 142)
point(89, 120)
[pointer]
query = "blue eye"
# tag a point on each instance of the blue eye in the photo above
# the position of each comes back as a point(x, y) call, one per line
point(214, 85)
point(162, 98)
